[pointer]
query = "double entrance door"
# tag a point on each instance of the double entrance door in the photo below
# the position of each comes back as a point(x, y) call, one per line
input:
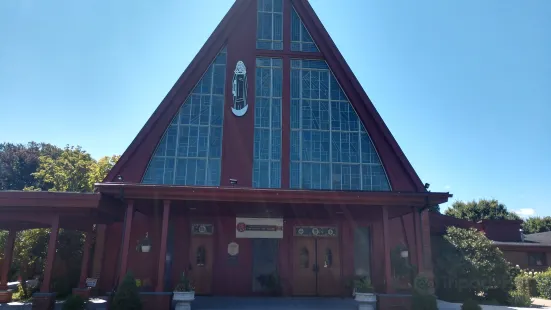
point(316, 262)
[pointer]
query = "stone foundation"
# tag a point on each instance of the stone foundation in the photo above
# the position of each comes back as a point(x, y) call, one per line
point(5, 296)
point(43, 301)
point(156, 300)
point(394, 301)
point(85, 293)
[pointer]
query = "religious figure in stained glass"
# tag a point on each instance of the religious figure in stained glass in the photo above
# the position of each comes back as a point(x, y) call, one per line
point(239, 90)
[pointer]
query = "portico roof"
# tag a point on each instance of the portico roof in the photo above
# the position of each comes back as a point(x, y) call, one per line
point(237, 194)
point(29, 209)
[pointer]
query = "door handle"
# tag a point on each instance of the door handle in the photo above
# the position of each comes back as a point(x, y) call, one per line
point(315, 268)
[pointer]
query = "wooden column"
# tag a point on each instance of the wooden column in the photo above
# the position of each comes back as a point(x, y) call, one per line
point(85, 257)
point(418, 243)
point(127, 229)
point(8, 256)
point(50, 258)
point(162, 247)
point(99, 250)
point(386, 243)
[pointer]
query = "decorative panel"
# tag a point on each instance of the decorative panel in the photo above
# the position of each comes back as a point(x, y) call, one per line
point(315, 231)
point(202, 229)
point(267, 123)
point(269, 26)
point(301, 40)
point(330, 148)
point(190, 150)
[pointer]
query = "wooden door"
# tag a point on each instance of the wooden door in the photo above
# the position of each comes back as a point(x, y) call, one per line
point(304, 264)
point(201, 258)
point(329, 267)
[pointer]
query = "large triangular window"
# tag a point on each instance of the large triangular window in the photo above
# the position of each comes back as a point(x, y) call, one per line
point(190, 151)
point(269, 25)
point(330, 148)
point(301, 40)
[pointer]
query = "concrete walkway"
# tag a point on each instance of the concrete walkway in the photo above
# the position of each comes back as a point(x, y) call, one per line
point(233, 303)
point(273, 303)
point(540, 302)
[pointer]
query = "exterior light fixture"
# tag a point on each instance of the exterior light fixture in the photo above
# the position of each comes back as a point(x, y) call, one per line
point(233, 182)
point(119, 178)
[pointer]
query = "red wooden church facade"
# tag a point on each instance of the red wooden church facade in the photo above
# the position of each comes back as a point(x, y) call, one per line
point(266, 157)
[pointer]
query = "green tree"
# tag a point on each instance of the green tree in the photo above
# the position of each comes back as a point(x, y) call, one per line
point(466, 263)
point(102, 168)
point(70, 172)
point(19, 161)
point(481, 210)
point(537, 224)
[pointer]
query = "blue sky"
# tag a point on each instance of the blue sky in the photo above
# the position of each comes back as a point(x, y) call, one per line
point(464, 86)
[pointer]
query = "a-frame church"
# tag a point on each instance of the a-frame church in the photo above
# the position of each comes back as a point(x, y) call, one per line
point(265, 158)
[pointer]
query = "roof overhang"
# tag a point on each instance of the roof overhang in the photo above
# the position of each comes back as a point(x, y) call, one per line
point(18, 199)
point(29, 209)
point(241, 194)
point(522, 246)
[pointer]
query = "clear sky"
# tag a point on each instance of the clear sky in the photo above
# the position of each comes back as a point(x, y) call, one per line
point(464, 86)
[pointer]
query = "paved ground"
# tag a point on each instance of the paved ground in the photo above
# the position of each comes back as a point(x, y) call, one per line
point(545, 303)
point(272, 303)
point(235, 303)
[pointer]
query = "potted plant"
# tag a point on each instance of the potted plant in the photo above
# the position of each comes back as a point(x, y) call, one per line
point(183, 292)
point(145, 244)
point(364, 294)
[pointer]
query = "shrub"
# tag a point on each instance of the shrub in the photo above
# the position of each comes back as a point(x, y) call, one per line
point(500, 295)
point(74, 302)
point(543, 283)
point(520, 299)
point(127, 296)
point(466, 263)
point(526, 283)
point(423, 301)
point(24, 292)
point(470, 304)
point(422, 298)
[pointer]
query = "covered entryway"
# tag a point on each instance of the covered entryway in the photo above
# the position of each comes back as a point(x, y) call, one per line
point(316, 261)
point(22, 210)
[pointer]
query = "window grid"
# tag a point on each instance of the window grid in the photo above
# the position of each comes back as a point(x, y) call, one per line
point(189, 152)
point(267, 165)
point(355, 171)
point(301, 40)
point(269, 13)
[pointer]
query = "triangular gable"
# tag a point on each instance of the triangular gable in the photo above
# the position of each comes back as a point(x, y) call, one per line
point(398, 168)
point(133, 162)
point(135, 159)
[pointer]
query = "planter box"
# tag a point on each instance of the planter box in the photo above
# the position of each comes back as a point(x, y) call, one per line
point(183, 296)
point(365, 297)
point(83, 292)
point(43, 301)
point(183, 300)
point(146, 248)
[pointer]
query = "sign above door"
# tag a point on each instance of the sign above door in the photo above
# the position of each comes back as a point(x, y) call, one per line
point(259, 228)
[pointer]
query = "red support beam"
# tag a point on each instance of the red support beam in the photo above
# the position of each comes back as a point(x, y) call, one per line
point(50, 258)
point(126, 241)
point(8, 256)
point(418, 243)
point(386, 242)
point(162, 247)
point(85, 258)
